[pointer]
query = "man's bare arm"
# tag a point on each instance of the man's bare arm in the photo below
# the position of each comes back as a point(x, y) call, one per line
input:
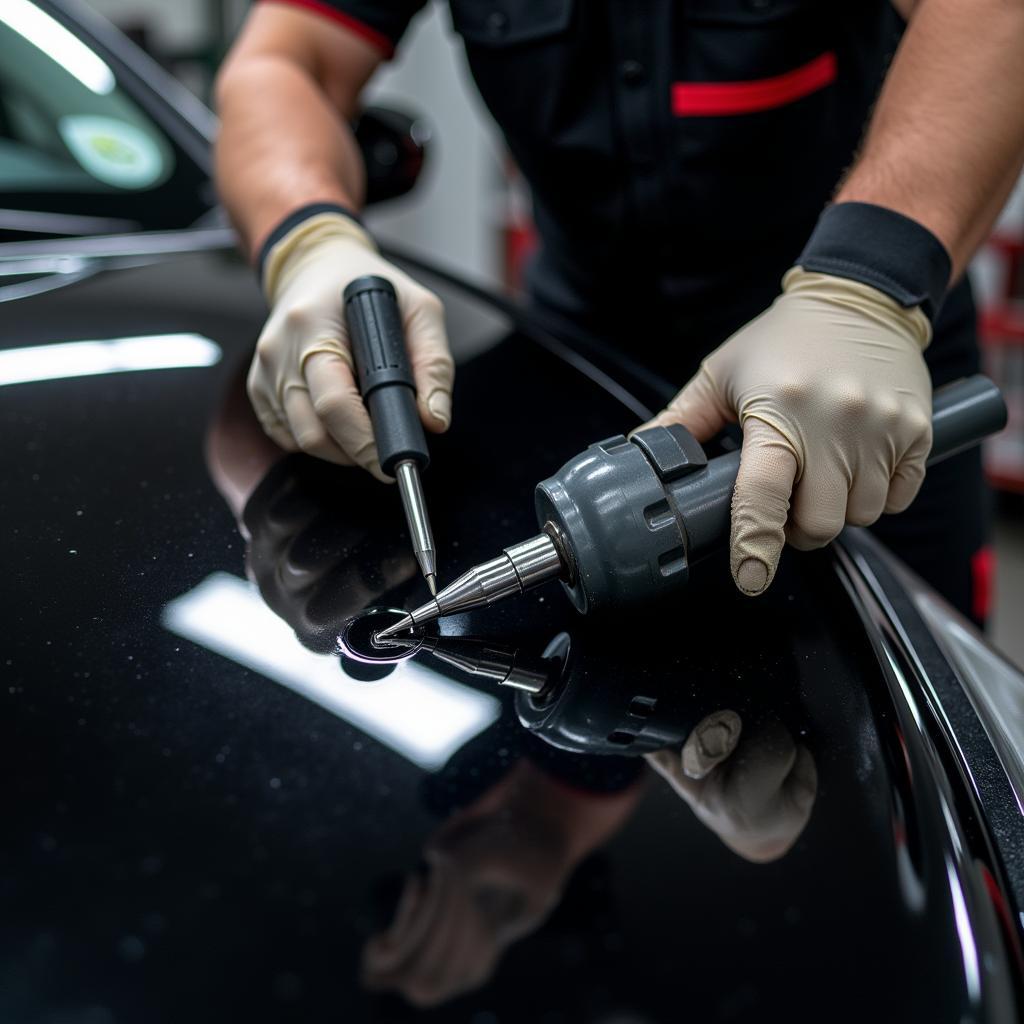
point(285, 94)
point(946, 142)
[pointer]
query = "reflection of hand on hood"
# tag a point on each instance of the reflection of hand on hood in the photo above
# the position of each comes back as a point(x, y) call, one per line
point(323, 542)
point(492, 874)
point(754, 787)
point(238, 453)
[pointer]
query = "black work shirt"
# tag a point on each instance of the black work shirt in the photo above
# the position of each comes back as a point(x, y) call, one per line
point(679, 153)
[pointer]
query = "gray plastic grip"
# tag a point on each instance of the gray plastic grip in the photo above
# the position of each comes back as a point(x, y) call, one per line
point(383, 372)
point(963, 414)
point(637, 514)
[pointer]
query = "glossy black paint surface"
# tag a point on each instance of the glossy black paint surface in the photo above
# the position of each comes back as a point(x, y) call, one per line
point(215, 811)
point(189, 838)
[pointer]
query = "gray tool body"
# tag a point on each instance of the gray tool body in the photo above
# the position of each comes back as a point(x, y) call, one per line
point(634, 514)
point(626, 520)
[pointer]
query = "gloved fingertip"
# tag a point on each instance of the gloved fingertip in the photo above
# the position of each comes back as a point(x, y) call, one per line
point(752, 576)
point(439, 405)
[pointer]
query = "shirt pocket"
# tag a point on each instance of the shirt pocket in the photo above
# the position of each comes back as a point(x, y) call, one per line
point(521, 54)
point(738, 57)
point(498, 24)
point(753, 108)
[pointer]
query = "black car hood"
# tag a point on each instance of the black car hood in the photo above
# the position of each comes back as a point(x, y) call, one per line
point(214, 813)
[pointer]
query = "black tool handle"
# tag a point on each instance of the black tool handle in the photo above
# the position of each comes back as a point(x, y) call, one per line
point(964, 413)
point(383, 373)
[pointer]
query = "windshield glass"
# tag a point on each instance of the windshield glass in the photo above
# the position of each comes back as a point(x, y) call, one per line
point(74, 144)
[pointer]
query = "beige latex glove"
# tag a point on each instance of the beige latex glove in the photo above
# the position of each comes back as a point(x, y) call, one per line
point(753, 789)
point(301, 382)
point(455, 921)
point(494, 871)
point(834, 397)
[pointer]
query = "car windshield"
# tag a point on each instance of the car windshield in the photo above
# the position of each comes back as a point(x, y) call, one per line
point(77, 154)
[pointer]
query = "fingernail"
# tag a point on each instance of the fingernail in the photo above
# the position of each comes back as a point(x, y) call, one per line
point(440, 405)
point(716, 738)
point(752, 576)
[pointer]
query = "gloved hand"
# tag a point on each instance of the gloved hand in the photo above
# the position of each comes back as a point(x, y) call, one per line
point(754, 789)
point(301, 381)
point(491, 874)
point(831, 389)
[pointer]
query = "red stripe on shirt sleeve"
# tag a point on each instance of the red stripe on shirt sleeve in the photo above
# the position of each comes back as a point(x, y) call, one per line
point(354, 25)
point(717, 99)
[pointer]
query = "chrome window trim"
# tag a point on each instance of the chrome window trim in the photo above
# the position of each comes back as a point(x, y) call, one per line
point(879, 588)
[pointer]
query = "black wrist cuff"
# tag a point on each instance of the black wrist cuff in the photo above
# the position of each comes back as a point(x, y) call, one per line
point(882, 248)
point(294, 219)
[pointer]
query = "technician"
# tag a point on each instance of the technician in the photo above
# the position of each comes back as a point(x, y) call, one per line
point(684, 158)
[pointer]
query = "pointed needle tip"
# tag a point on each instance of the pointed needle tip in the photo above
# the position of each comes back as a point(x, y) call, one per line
point(404, 623)
point(432, 583)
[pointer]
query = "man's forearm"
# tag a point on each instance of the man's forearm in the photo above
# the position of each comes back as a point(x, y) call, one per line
point(281, 146)
point(946, 142)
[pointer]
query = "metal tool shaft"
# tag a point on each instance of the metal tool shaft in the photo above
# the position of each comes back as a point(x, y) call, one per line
point(518, 568)
point(409, 486)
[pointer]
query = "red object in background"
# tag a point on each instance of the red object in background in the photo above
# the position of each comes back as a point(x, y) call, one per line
point(983, 578)
point(519, 236)
point(1001, 329)
point(520, 242)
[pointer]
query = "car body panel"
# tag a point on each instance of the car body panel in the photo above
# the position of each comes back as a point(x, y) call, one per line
point(215, 810)
point(188, 837)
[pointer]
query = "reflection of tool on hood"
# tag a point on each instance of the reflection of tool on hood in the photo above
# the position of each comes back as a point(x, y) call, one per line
point(387, 386)
point(583, 695)
point(625, 520)
point(497, 663)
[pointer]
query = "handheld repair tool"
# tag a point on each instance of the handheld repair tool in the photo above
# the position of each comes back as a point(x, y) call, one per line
point(387, 386)
point(626, 520)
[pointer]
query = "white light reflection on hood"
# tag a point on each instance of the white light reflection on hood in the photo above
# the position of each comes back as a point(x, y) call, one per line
point(115, 355)
point(415, 711)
